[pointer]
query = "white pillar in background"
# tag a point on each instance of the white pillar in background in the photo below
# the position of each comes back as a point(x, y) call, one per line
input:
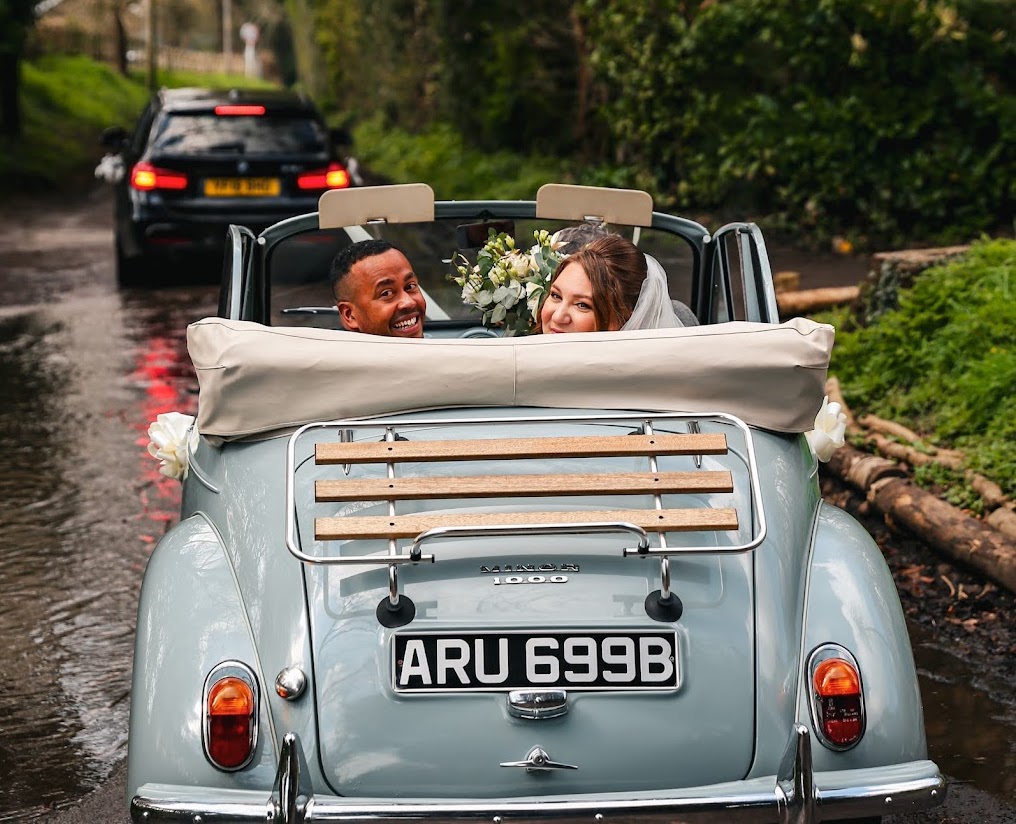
point(249, 35)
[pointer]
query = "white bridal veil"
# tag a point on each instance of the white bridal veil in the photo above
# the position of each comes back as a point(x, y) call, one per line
point(654, 309)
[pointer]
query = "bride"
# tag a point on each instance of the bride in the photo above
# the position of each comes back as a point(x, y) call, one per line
point(606, 286)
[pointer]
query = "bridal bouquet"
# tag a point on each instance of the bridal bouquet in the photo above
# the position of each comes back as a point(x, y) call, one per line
point(508, 284)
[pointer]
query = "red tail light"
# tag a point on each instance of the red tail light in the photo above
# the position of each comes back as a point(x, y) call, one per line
point(230, 717)
point(239, 111)
point(837, 698)
point(334, 177)
point(146, 178)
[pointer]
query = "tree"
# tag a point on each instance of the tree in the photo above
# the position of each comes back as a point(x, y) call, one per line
point(16, 18)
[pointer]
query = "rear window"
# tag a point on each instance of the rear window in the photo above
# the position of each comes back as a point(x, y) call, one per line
point(264, 134)
point(300, 293)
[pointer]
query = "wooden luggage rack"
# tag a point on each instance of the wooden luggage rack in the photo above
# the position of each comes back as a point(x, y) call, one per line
point(641, 441)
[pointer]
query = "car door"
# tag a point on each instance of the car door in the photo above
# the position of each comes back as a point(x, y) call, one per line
point(235, 264)
point(740, 276)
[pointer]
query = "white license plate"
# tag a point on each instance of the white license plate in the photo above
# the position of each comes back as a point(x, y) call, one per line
point(494, 661)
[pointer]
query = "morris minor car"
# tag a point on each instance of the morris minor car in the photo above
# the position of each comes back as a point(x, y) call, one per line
point(488, 579)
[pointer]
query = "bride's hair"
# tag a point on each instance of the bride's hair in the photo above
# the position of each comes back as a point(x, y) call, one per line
point(616, 270)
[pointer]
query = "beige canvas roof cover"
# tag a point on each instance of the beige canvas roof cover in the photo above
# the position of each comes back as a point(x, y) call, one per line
point(255, 379)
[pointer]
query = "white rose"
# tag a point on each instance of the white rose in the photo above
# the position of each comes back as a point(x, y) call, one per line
point(829, 431)
point(521, 264)
point(169, 443)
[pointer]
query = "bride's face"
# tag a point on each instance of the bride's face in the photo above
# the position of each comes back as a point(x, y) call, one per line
point(569, 304)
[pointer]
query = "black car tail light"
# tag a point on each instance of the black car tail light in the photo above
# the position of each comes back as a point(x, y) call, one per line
point(239, 111)
point(334, 177)
point(146, 178)
point(837, 699)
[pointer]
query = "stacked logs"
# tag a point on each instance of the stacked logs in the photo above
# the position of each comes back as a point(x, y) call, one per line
point(988, 545)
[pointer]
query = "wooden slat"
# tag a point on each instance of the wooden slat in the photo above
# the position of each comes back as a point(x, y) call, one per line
point(409, 526)
point(497, 486)
point(519, 448)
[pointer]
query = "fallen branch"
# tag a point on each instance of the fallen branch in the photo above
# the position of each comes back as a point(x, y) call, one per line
point(898, 430)
point(891, 428)
point(991, 493)
point(946, 528)
point(939, 524)
point(812, 300)
point(914, 457)
point(1003, 519)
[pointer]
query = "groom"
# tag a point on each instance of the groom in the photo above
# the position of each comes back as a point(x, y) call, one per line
point(376, 290)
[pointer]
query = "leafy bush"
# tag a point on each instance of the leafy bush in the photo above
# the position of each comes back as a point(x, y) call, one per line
point(944, 363)
point(456, 171)
point(886, 121)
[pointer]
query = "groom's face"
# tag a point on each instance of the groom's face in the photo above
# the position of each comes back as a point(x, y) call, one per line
point(380, 295)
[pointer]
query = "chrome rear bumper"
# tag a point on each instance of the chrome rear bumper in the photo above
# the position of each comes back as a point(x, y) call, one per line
point(797, 795)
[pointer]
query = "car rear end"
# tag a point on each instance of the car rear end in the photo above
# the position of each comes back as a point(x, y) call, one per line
point(516, 668)
point(215, 160)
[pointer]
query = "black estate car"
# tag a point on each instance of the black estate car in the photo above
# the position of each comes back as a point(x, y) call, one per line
point(200, 159)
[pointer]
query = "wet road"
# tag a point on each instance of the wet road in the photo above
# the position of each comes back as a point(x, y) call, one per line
point(84, 368)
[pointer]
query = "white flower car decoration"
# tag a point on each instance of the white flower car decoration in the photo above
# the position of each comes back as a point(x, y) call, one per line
point(829, 431)
point(169, 443)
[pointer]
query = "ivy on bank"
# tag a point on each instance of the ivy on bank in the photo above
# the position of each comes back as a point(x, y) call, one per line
point(944, 362)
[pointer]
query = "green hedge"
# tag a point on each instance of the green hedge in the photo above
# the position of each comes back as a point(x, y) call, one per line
point(887, 122)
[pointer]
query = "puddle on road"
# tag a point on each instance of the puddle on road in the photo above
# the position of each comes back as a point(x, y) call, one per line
point(971, 735)
point(81, 506)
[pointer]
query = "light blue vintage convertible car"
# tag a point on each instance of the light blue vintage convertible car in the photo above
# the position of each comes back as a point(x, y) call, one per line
point(583, 578)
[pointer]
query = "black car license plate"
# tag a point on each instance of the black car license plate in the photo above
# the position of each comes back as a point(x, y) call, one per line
point(491, 661)
point(243, 187)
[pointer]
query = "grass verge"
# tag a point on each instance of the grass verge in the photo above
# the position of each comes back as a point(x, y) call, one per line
point(66, 102)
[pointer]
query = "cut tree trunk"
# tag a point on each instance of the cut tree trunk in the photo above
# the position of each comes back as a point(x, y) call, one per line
point(947, 528)
point(939, 524)
point(812, 300)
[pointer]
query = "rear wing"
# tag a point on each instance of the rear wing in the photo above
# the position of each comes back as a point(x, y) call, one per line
point(641, 440)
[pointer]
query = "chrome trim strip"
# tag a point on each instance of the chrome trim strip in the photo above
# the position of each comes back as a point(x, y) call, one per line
point(207, 484)
point(793, 797)
point(393, 544)
point(502, 530)
point(647, 428)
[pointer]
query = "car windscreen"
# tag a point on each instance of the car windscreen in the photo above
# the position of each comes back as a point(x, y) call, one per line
point(208, 133)
point(297, 267)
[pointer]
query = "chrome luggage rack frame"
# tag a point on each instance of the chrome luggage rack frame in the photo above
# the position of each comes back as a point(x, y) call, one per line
point(645, 426)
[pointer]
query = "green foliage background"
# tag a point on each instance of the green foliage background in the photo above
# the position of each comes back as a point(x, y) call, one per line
point(889, 123)
point(944, 362)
